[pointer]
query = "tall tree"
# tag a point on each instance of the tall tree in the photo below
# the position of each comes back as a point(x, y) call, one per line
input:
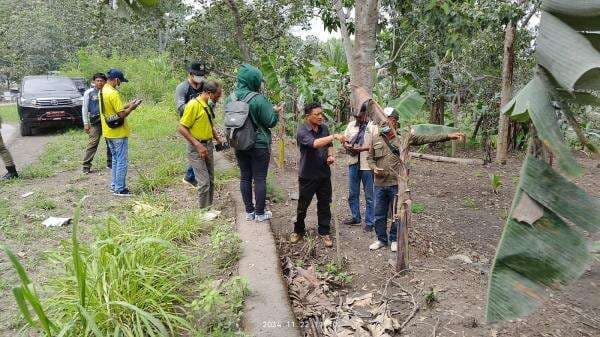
point(508, 64)
point(360, 51)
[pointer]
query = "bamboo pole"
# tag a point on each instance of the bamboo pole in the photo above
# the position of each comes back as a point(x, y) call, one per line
point(281, 143)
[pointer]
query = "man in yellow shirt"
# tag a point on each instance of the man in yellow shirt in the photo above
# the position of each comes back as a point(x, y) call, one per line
point(117, 135)
point(196, 126)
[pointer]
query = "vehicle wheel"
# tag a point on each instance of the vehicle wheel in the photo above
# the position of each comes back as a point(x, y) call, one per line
point(25, 130)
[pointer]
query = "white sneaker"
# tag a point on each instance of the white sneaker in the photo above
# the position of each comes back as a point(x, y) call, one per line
point(376, 245)
point(250, 216)
point(260, 218)
point(394, 246)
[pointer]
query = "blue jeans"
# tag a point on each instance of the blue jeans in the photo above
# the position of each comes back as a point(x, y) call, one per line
point(189, 174)
point(118, 148)
point(355, 176)
point(384, 201)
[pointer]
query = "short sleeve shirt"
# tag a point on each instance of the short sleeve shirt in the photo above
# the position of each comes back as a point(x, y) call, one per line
point(370, 134)
point(110, 105)
point(313, 162)
point(196, 118)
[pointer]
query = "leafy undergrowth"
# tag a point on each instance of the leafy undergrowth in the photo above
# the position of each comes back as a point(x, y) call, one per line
point(136, 278)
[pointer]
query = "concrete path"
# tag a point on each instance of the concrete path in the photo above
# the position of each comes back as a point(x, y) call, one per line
point(25, 150)
point(267, 312)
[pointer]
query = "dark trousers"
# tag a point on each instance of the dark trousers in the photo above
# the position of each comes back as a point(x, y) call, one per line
point(308, 188)
point(254, 167)
point(94, 140)
point(384, 201)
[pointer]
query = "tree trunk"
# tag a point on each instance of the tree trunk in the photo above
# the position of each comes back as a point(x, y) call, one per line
point(360, 53)
point(239, 30)
point(437, 111)
point(508, 64)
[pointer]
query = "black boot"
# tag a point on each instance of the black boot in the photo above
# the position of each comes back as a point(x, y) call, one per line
point(11, 174)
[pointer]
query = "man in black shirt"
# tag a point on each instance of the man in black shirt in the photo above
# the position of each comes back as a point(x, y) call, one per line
point(185, 92)
point(314, 174)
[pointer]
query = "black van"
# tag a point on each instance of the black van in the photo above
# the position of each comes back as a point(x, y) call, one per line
point(48, 101)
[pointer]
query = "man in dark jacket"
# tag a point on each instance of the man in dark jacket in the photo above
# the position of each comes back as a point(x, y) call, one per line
point(254, 162)
point(185, 92)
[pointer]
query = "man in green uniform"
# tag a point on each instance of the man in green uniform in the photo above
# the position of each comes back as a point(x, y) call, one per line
point(384, 160)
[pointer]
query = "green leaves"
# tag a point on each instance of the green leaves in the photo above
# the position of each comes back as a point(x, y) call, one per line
point(408, 104)
point(538, 250)
point(26, 297)
point(534, 102)
point(567, 54)
point(270, 76)
point(432, 129)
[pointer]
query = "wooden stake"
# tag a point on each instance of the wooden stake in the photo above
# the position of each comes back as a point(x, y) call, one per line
point(338, 249)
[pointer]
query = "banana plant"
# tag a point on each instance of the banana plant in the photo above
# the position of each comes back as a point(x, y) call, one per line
point(273, 85)
point(538, 252)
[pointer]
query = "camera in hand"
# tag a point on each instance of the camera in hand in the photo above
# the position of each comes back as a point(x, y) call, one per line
point(222, 147)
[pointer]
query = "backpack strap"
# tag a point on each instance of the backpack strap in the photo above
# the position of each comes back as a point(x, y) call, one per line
point(247, 100)
point(249, 97)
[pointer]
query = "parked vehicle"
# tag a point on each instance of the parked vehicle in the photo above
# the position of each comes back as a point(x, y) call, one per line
point(81, 84)
point(48, 101)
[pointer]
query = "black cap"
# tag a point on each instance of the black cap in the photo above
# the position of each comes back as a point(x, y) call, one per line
point(197, 68)
point(116, 73)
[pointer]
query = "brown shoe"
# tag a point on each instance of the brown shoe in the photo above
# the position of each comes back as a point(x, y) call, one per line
point(327, 241)
point(295, 238)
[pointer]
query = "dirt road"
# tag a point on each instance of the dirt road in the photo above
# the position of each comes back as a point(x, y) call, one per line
point(25, 150)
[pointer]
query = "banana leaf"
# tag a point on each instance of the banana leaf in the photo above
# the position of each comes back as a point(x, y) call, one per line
point(271, 78)
point(408, 104)
point(568, 55)
point(580, 14)
point(432, 129)
point(538, 251)
point(535, 101)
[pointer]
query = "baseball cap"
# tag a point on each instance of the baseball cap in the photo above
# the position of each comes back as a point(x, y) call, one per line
point(116, 73)
point(197, 68)
point(390, 112)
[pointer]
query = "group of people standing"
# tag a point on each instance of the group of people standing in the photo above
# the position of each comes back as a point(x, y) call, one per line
point(104, 113)
point(373, 151)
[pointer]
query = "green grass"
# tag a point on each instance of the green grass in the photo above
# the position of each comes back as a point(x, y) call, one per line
point(469, 202)
point(9, 114)
point(40, 202)
point(223, 177)
point(274, 192)
point(225, 245)
point(135, 277)
point(417, 208)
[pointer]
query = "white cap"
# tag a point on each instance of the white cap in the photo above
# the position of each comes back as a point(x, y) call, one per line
point(390, 112)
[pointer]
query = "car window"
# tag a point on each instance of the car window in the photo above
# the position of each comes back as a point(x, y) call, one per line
point(49, 84)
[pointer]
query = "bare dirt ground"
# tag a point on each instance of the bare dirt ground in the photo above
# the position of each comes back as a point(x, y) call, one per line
point(461, 215)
